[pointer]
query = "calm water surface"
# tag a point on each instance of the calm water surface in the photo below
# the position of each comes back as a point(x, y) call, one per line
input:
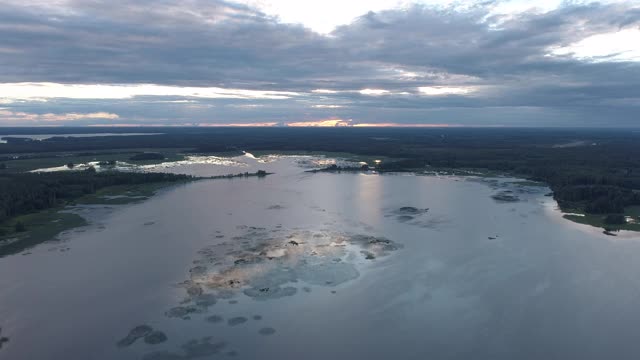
point(325, 266)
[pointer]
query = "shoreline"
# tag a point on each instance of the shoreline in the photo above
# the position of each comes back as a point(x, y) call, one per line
point(578, 216)
point(551, 208)
point(47, 225)
point(123, 195)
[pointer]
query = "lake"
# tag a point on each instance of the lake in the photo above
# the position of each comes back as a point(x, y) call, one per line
point(325, 266)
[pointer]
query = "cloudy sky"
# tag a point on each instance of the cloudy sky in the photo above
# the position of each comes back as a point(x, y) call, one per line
point(320, 62)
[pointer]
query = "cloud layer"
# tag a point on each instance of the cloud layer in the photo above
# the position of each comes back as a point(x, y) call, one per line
point(218, 62)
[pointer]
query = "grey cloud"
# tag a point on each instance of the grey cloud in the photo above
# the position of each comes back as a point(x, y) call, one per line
point(218, 43)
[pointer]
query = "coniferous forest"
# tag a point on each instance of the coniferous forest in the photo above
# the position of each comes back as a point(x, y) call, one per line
point(26, 193)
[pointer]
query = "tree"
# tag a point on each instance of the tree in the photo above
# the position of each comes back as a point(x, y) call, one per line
point(19, 227)
point(615, 219)
point(147, 156)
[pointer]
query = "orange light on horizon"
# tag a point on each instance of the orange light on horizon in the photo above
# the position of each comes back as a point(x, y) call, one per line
point(137, 125)
point(405, 125)
point(259, 124)
point(321, 123)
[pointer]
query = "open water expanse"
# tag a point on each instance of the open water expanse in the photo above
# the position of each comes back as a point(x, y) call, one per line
point(325, 266)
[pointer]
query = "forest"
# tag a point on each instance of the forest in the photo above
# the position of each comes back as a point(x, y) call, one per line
point(30, 192)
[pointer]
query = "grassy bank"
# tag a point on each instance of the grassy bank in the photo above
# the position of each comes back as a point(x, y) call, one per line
point(598, 221)
point(125, 194)
point(35, 229)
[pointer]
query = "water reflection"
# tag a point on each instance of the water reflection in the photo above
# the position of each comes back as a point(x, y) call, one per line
point(368, 196)
point(297, 266)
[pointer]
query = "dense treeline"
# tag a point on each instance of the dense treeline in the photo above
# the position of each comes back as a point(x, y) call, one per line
point(595, 170)
point(147, 156)
point(30, 192)
point(392, 141)
point(599, 179)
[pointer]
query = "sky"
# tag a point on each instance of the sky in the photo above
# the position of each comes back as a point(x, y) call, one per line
point(410, 63)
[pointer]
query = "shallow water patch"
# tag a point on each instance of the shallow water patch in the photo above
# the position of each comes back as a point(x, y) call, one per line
point(265, 264)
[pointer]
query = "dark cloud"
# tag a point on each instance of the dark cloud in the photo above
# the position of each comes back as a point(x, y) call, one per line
point(222, 44)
